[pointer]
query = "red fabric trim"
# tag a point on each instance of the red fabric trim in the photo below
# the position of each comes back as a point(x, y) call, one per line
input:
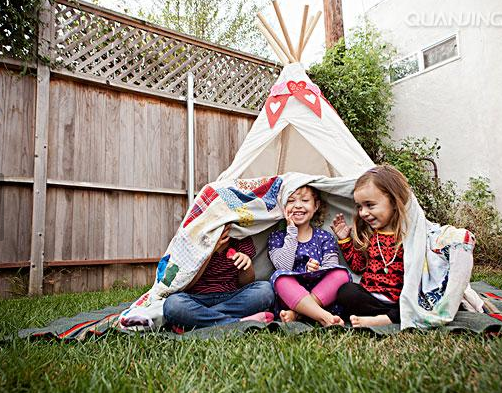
point(263, 189)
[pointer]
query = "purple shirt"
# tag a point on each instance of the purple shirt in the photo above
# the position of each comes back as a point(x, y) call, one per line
point(287, 253)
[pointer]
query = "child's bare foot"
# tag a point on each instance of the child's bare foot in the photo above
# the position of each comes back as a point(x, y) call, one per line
point(331, 320)
point(264, 317)
point(288, 315)
point(379, 320)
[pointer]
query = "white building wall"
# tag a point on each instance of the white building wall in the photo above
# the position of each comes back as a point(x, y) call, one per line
point(459, 102)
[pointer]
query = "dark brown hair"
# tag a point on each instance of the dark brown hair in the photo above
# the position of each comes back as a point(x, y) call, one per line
point(394, 185)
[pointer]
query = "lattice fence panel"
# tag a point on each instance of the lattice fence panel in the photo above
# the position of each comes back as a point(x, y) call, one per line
point(96, 45)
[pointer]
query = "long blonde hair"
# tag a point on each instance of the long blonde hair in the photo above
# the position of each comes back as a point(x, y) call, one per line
point(394, 185)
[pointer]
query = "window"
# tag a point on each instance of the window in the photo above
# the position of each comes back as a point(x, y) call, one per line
point(440, 52)
point(416, 63)
point(404, 67)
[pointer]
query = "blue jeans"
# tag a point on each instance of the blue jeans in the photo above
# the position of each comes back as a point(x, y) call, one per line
point(190, 311)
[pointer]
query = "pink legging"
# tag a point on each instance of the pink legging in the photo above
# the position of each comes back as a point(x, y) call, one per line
point(291, 291)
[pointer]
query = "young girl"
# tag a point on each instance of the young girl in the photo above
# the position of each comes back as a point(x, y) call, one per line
point(308, 274)
point(375, 249)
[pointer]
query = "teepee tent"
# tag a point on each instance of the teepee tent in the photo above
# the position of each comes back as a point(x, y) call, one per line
point(297, 130)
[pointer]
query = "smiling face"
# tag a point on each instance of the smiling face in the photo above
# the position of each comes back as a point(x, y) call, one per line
point(303, 205)
point(374, 207)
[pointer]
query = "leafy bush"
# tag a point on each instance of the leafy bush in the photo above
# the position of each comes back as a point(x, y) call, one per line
point(413, 158)
point(19, 29)
point(477, 213)
point(353, 78)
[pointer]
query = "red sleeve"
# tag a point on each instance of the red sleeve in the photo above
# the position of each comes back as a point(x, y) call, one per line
point(355, 258)
point(246, 246)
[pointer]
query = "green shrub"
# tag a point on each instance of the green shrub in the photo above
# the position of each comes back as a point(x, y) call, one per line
point(477, 213)
point(353, 78)
point(413, 158)
point(19, 29)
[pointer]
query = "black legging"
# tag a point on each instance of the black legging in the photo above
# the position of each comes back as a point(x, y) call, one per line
point(356, 300)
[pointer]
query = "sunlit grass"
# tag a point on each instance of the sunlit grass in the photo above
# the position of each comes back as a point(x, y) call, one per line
point(318, 361)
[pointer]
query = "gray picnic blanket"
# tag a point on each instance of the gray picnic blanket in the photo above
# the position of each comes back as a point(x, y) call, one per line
point(97, 323)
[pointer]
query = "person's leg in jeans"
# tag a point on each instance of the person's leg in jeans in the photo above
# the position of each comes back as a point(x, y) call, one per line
point(364, 309)
point(194, 310)
point(201, 310)
point(251, 299)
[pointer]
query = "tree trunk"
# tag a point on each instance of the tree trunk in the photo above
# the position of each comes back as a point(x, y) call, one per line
point(333, 21)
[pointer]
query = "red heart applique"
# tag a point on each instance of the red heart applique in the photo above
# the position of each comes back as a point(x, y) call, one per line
point(311, 100)
point(274, 107)
point(296, 87)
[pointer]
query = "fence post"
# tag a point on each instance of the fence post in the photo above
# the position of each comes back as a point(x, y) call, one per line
point(2, 215)
point(191, 137)
point(40, 160)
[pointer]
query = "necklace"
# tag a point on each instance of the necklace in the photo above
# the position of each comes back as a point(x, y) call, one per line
point(385, 269)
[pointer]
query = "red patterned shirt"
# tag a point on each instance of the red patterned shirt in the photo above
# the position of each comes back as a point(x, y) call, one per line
point(372, 267)
point(221, 275)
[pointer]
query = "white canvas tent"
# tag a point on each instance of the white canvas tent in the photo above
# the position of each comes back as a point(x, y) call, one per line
point(297, 130)
point(300, 141)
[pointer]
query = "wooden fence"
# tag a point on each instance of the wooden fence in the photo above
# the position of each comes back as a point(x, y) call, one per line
point(93, 150)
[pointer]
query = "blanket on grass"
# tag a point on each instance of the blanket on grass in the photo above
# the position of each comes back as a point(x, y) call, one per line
point(99, 322)
point(438, 260)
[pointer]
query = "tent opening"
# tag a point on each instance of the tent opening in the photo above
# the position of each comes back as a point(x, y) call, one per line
point(289, 152)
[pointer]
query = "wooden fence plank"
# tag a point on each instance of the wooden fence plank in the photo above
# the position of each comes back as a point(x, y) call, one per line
point(54, 150)
point(28, 131)
point(24, 223)
point(126, 160)
point(96, 225)
point(4, 118)
point(112, 138)
point(66, 200)
point(140, 228)
point(125, 226)
point(67, 141)
point(9, 243)
point(153, 145)
point(111, 221)
point(154, 228)
point(80, 225)
point(11, 159)
point(174, 146)
point(140, 167)
point(50, 224)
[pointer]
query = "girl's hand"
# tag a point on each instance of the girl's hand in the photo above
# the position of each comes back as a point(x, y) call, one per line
point(241, 261)
point(312, 265)
point(288, 215)
point(340, 227)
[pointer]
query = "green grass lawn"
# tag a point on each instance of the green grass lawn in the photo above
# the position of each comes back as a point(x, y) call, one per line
point(318, 361)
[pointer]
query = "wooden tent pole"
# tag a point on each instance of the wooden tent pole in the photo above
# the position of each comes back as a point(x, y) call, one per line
point(275, 3)
point(280, 54)
point(311, 29)
point(302, 32)
point(276, 39)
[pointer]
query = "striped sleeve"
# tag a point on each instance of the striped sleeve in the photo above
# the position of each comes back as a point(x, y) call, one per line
point(246, 246)
point(282, 249)
point(329, 251)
